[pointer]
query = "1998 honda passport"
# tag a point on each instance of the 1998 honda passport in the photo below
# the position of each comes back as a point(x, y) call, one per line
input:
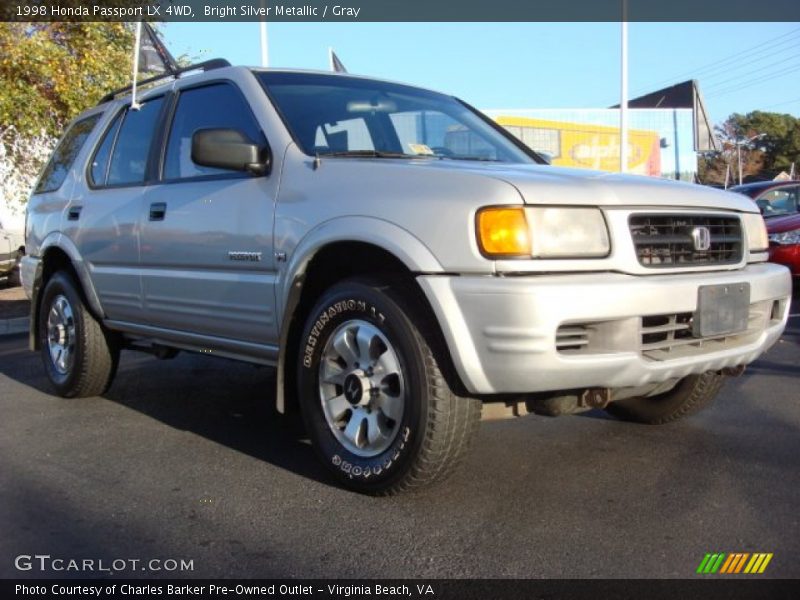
point(396, 255)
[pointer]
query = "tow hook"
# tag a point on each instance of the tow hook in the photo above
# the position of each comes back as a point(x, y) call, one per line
point(734, 371)
point(596, 397)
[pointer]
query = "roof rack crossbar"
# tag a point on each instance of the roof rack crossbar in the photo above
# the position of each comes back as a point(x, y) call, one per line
point(208, 65)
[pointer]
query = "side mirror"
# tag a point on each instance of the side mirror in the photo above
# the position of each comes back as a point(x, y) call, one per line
point(229, 149)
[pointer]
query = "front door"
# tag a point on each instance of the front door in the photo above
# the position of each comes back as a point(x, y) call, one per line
point(206, 236)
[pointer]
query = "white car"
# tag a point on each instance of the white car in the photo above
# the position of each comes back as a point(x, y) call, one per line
point(12, 248)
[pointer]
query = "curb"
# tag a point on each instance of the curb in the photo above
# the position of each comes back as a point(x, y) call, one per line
point(14, 326)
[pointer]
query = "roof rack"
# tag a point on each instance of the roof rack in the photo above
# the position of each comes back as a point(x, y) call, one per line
point(208, 65)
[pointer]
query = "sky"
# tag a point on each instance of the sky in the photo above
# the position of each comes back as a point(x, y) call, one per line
point(740, 66)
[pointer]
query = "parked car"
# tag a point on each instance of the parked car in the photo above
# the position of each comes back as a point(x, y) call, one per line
point(12, 248)
point(779, 202)
point(784, 241)
point(399, 258)
point(774, 198)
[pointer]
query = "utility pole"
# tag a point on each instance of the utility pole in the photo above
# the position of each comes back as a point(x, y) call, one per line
point(623, 101)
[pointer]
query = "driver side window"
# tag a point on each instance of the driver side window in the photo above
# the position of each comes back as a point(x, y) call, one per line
point(215, 106)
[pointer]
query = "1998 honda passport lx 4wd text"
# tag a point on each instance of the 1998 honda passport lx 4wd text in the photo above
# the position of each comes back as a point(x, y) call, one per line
point(398, 257)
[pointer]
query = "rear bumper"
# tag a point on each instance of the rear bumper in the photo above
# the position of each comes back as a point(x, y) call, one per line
point(506, 334)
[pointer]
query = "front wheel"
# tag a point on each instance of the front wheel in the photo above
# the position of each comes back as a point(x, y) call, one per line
point(80, 357)
point(690, 395)
point(376, 405)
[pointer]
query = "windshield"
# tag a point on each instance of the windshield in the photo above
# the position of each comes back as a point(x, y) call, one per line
point(779, 202)
point(346, 116)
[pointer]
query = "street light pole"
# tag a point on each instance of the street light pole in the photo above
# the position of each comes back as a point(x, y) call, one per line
point(623, 101)
point(264, 47)
point(739, 143)
point(263, 34)
point(739, 159)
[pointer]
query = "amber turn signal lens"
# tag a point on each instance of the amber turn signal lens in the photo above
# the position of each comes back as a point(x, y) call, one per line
point(503, 231)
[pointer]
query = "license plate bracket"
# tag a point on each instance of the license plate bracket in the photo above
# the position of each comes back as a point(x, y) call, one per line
point(721, 309)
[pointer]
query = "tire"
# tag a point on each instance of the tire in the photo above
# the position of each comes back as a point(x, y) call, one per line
point(690, 395)
point(14, 277)
point(80, 357)
point(395, 425)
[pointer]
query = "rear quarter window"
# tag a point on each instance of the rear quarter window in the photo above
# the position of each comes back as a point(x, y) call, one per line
point(55, 172)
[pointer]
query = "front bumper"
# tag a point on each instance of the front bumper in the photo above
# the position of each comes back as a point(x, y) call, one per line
point(518, 334)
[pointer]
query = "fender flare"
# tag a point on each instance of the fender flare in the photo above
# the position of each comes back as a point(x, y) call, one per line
point(399, 242)
point(57, 240)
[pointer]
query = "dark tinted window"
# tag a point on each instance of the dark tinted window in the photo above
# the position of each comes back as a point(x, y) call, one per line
point(64, 155)
point(213, 106)
point(99, 169)
point(129, 158)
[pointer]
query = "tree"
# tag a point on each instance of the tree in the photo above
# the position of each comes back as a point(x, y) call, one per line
point(773, 152)
point(50, 72)
point(56, 70)
point(781, 142)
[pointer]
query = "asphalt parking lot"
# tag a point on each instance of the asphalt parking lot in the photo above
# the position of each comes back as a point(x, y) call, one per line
point(184, 459)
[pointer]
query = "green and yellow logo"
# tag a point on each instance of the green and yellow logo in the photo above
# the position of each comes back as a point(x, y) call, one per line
point(734, 563)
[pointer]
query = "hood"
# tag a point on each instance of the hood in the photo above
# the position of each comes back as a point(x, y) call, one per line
point(553, 185)
point(545, 184)
point(785, 223)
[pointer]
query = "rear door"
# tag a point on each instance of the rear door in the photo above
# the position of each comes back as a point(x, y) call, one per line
point(103, 218)
point(206, 234)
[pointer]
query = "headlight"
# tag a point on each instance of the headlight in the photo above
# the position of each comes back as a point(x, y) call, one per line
point(756, 232)
point(542, 232)
point(568, 232)
point(785, 238)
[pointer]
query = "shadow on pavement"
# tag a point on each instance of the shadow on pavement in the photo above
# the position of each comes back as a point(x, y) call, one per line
point(225, 401)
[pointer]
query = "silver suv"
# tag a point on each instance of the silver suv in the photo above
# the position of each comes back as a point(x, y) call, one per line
point(398, 257)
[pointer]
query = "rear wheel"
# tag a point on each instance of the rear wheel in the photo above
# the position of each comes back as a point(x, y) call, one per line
point(375, 402)
point(80, 357)
point(14, 279)
point(690, 395)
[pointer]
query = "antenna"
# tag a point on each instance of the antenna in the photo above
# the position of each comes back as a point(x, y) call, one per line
point(136, 46)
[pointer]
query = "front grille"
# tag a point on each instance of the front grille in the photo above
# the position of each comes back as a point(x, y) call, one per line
point(666, 240)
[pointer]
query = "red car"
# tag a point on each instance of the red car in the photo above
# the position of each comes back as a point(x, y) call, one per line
point(784, 241)
point(779, 202)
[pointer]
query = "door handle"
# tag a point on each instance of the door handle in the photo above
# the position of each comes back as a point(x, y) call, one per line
point(157, 211)
point(74, 213)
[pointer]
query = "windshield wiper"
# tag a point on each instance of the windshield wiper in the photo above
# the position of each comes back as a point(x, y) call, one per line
point(371, 154)
point(478, 158)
